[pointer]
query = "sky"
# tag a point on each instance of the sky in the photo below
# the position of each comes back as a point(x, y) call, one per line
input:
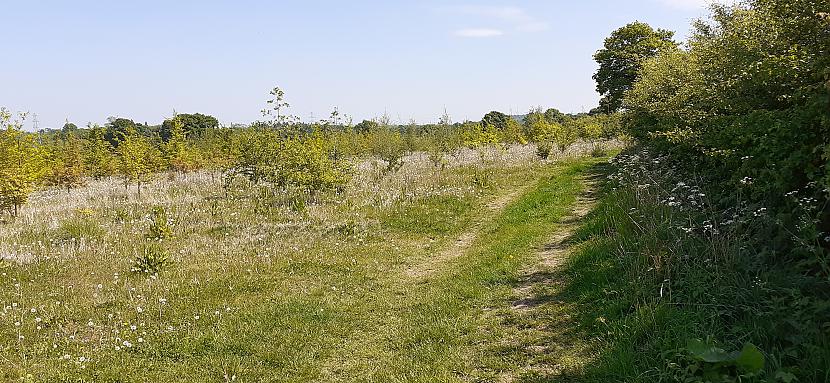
point(84, 61)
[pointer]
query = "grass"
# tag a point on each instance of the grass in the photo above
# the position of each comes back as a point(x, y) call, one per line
point(653, 268)
point(258, 289)
point(423, 275)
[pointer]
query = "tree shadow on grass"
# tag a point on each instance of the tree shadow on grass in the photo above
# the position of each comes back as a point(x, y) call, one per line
point(564, 310)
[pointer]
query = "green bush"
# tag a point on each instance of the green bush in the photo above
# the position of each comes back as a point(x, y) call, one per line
point(750, 100)
point(543, 150)
point(152, 260)
point(159, 225)
point(387, 144)
point(305, 161)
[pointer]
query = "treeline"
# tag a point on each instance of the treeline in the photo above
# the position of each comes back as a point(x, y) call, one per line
point(283, 152)
point(748, 100)
point(750, 97)
point(732, 183)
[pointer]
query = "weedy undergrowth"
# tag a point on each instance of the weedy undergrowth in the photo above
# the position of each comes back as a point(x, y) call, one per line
point(703, 361)
point(159, 225)
point(543, 150)
point(668, 255)
point(153, 259)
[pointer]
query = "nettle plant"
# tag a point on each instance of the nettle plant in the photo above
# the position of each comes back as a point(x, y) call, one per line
point(704, 361)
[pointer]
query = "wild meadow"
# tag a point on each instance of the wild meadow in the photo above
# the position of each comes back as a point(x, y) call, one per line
point(198, 280)
point(678, 232)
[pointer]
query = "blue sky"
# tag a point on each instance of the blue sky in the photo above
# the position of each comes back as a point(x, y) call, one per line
point(87, 60)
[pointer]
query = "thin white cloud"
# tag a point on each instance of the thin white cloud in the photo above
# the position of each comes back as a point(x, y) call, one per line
point(478, 32)
point(507, 17)
point(692, 4)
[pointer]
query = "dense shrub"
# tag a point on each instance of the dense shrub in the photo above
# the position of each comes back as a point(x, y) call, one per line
point(749, 99)
point(296, 160)
point(689, 269)
point(733, 214)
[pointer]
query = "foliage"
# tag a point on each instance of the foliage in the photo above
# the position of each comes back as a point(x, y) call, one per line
point(537, 127)
point(366, 126)
point(275, 107)
point(192, 125)
point(543, 150)
point(177, 153)
point(703, 361)
point(554, 116)
point(65, 163)
point(476, 134)
point(20, 163)
point(441, 139)
point(749, 101)
point(386, 143)
point(153, 259)
point(307, 162)
point(661, 263)
point(304, 161)
point(564, 136)
point(159, 225)
point(138, 159)
point(99, 160)
point(117, 129)
point(622, 57)
point(506, 126)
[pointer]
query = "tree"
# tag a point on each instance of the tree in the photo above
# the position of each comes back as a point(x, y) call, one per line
point(138, 159)
point(386, 143)
point(366, 126)
point(476, 134)
point(275, 106)
point(507, 127)
point(554, 116)
point(20, 165)
point(216, 148)
point(497, 120)
point(177, 154)
point(622, 58)
point(98, 154)
point(69, 128)
point(537, 128)
point(117, 129)
point(66, 163)
point(564, 136)
point(193, 125)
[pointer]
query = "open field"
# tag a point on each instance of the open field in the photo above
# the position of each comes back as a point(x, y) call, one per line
point(390, 281)
point(672, 227)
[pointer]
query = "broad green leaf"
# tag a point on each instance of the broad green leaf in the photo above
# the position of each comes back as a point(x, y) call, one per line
point(707, 352)
point(750, 359)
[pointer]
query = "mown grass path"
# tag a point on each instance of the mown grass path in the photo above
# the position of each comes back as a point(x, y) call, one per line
point(441, 327)
point(434, 262)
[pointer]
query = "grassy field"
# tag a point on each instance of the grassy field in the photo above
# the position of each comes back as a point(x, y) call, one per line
point(397, 279)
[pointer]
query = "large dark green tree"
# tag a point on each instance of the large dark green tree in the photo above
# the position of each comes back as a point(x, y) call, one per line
point(366, 126)
point(117, 128)
point(497, 120)
point(193, 124)
point(622, 58)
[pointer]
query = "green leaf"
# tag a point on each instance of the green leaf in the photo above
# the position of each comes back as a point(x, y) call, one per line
point(784, 376)
point(750, 359)
point(707, 352)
